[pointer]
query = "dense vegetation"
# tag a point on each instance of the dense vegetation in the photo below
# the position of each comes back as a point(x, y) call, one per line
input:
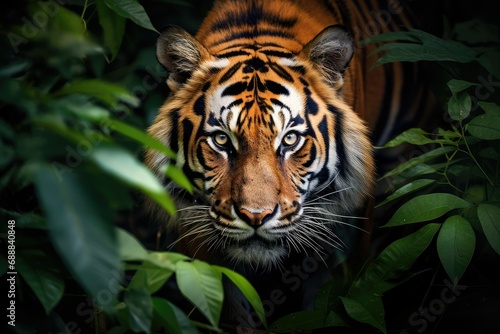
point(79, 85)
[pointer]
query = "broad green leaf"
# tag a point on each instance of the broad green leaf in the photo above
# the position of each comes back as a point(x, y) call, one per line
point(368, 310)
point(79, 106)
point(176, 175)
point(459, 106)
point(248, 291)
point(166, 260)
point(428, 47)
point(81, 231)
point(106, 92)
point(426, 207)
point(490, 108)
point(42, 275)
point(139, 309)
point(124, 166)
point(396, 259)
point(304, 320)
point(489, 216)
point(14, 67)
point(489, 60)
point(133, 10)
point(25, 219)
point(457, 86)
point(171, 318)
point(129, 247)
point(455, 245)
point(440, 151)
point(390, 36)
point(407, 189)
point(327, 296)
point(150, 278)
point(139, 136)
point(202, 285)
point(113, 26)
point(414, 136)
point(486, 126)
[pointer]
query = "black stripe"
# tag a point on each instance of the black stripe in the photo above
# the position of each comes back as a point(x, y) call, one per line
point(234, 53)
point(276, 88)
point(312, 157)
point(174, 134)
point(276, 53)
point(250, 34)
point(340, 147)
point(311, 105)
point(230, 72)
point(281, 72)
point(252, 16)
point(199, 106)
point(235, 89)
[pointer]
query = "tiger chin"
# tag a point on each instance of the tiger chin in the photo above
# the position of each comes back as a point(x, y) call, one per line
point(263, 119)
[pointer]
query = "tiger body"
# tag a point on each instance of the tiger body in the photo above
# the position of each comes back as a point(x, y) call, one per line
point(272, 113)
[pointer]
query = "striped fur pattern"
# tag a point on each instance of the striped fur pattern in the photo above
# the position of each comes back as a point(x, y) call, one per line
point(270, 113)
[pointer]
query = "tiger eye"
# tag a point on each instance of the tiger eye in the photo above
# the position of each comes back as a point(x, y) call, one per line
point(221, 139)
point(290, 139)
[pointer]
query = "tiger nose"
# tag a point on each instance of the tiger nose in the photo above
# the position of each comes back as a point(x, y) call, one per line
point(255, 218)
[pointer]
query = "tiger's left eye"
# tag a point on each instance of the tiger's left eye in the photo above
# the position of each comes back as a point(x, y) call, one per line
point(221, 139)
point(290, 139)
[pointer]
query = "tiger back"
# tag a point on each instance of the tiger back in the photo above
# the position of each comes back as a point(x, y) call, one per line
point(273, 112)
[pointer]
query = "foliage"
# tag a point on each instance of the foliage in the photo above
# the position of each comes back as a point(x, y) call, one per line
point(70, 154)
point(76, 94)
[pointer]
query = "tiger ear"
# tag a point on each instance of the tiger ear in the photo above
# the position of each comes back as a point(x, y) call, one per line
point(331, 51)
point(180, 54)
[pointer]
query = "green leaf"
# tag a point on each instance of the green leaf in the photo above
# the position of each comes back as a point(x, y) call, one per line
point(81, 231)
point(486, 126)
point(457, 86)
point(139, 136)
point(106, 92)
point(113, 26)
point(304, 320)
point(42, 275)
point(459, 106)
point(368, 311)
point(248, 291)
point(202, 285)
point(129, 247)
point(490, 108)
point(139, 309)
point(407, 189)
point(166, 260)
point(124, 166)
point(176, 175)
point(327, 296)
point(489, 60)
point(171, 318)
point(421, 46)
point(133, 10)
point(149, 278)
point(438, 152)
point(426, 207)
point(414, 136)
point(455, 246)
point(393, 261)
point(489, 216)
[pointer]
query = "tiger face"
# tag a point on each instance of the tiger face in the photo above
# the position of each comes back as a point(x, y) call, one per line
point(275, 154)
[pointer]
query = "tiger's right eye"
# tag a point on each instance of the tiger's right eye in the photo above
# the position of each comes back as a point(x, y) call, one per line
point(221, 139)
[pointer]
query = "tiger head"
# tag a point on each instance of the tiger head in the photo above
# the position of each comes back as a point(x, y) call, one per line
point(275, 154)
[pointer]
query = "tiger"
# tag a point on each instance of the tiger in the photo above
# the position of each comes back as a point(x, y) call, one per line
point(273, 111)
